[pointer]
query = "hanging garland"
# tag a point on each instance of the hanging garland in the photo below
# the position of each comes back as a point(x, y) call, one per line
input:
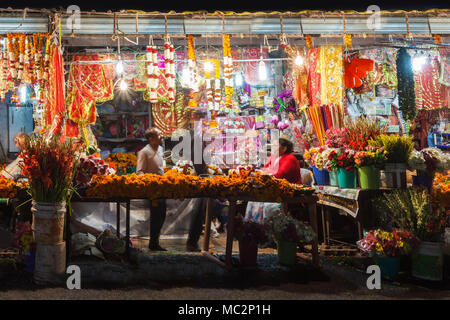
point(193, 76)
point(169, 53)
point(406, 92)
point(152, 72)
point(228, 72)
point(4, 73)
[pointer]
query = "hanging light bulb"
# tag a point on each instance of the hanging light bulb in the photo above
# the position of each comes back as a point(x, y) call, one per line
point(123, 85)
point(119, 67)
point(299, 60)
point(23, 93)
point(239, 79)
point(262, 69)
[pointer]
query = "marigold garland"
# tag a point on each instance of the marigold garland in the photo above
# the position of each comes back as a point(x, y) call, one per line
point(193, 75)
point(228, 72)
point(8, 188)
point(308, 40)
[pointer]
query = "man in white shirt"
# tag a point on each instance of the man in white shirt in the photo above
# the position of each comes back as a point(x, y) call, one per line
point(150, 160)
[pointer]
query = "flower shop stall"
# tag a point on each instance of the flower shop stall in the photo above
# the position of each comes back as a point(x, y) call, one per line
point(362, 103)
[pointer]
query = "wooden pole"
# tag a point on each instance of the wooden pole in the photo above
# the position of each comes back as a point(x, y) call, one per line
point(207, 233)
point(312, 209)
point(230, 234)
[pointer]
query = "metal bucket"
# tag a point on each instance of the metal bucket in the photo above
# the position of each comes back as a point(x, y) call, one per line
point(50, 266)
point(48, 221)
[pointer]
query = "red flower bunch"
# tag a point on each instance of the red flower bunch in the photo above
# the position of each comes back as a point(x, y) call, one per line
point(388, 244)
point(90, 166)
point(342, 158)
point(49, 165)
point(359, 132)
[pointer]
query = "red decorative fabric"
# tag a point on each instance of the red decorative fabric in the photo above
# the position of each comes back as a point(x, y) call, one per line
point(355, 70)
point(314, 90)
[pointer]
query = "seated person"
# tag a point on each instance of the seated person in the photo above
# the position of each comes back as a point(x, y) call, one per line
point(13, 170)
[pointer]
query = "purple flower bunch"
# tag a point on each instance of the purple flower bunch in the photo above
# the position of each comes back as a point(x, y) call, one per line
point(284, 101)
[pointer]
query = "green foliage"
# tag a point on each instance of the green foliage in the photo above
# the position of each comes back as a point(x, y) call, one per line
point(412, 210)
point(398, 148)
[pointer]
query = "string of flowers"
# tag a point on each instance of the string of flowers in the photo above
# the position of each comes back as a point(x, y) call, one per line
point(193, 74)
point(152, 72)
point(169, 53)
point(228, 72)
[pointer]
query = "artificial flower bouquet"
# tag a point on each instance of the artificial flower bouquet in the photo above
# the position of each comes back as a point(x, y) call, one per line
point(284, 101)
point(428, 161)
point(50, 165)
point(287, 228)
point(252, 231)
point(388, 244)
point(371, 157)
point(342, 158)
point(90, 166)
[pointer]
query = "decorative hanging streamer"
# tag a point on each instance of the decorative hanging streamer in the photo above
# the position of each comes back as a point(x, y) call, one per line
point(406, 92)
point(193, 73)
point(427, 86)
point(228, 72)
point(213, 96)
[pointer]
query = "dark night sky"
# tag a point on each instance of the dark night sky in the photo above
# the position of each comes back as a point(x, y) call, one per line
point(231, 5)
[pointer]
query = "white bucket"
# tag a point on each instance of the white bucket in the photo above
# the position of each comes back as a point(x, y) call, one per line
point(428, 261)
point(48, 221)
point(394, 175)
point(50, 264)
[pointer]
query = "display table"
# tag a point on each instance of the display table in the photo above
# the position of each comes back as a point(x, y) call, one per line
point(307, 197)
point(355, 203)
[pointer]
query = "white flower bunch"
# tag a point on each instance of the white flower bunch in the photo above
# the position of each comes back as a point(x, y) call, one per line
point(290, 229)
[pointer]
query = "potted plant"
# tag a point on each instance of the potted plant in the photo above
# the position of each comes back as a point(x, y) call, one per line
point(412, 209)
point(250, 234)
point(387, 249)
point(427, 162)
point(343, 160)
point(50, 165)
point(288, 233)
point(398, 149)
point(369, 162)
point(313, 157)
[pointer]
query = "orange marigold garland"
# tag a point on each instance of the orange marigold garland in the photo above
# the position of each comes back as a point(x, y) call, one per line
point(348, 40)
point(437, 39)
point(193, 75)
point(228, 72)
point(308, 40)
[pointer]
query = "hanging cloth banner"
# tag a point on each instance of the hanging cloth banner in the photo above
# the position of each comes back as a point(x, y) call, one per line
point(88, 85)
point(54, 105)
point(331, 68)
point(313, 77)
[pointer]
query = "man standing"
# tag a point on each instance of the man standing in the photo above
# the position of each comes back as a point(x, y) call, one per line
point(150, 160)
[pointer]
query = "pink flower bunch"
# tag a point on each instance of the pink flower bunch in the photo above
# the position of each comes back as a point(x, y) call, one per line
point(336, 138)
point(90, 166)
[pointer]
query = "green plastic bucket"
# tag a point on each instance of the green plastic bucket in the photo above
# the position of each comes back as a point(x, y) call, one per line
point(333, 178)
point(369, 178)
point(286, 252)
point(346, 179)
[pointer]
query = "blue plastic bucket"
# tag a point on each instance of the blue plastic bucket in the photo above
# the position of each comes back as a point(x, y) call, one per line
point(321, 177)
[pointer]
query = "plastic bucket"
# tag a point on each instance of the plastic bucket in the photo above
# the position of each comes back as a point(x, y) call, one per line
point(321, 177)
point(389, 266)
point(428, 261)
point(248, 253)
point(395, 175)
point(346, 179)
point(50, 264)
point(286, 252)
point(48, 221)
point(333, 178)
point(369, 177)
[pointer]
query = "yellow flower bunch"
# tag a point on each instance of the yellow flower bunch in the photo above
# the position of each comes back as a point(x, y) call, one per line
point(122, 159)
point(8, 188)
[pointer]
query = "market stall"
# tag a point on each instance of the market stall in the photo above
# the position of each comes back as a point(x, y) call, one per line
point(366, 107)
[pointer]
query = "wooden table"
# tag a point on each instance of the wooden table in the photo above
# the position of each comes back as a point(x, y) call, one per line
point(308, 198)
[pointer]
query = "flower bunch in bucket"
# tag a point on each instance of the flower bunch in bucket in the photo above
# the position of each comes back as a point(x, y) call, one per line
point(388, 244)
point(252, 231)
point(287, 228)
point(342, 158)
point(336, 137)
point(50, 165)
point(359, 132)
point(90, 166)
point(428, 161)
point(371, 157)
